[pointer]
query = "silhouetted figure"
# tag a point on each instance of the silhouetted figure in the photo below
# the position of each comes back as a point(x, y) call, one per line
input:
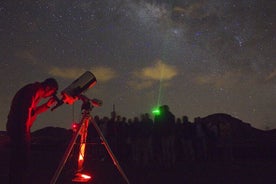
point(185, 120)
point(93, 136)
point(200, 140)
point(184, 133)
point(23, 112)
point(135, 140)
point(103, 123)
point(164, 138)
point(112, 132)
point(121, 136)
point(226, 141)
point(145, 137)
point(212, 140)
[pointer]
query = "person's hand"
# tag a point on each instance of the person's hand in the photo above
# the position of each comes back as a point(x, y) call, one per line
point(51, 102)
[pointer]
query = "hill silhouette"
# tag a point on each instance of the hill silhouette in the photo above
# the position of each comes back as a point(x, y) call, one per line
point(246, 141)
point(51, 137)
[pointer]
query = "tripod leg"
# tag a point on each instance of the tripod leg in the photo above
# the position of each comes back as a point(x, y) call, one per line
point(79, 176)
point(83, 134)
point(107, 147)
point(69, 149)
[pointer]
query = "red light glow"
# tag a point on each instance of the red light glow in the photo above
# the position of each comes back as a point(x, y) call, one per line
point(81, 177)
point(85, 176)
point(75, 126)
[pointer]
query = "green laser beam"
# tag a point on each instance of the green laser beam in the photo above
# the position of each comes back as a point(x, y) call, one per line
point(160, 86)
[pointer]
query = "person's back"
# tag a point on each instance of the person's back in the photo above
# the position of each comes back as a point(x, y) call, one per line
point(23, 112)
point(18, 116)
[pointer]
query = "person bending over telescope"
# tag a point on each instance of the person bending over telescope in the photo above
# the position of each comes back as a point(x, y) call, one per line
point(23, 112)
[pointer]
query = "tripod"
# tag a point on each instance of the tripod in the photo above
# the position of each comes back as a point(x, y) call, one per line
point(82, 130)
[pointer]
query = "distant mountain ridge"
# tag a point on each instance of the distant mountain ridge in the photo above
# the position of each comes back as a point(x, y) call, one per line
point(238, 127)
point(51, 131)
point(245, 140)
point(51, 137)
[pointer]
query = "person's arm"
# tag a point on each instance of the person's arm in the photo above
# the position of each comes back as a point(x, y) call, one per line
point(44, 107)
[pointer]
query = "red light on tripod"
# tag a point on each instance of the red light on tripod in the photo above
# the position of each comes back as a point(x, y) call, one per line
point(81, 178)
point(75, 126)
point(85, 176)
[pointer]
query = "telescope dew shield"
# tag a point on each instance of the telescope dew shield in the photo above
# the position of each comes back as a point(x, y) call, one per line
point(81, 84)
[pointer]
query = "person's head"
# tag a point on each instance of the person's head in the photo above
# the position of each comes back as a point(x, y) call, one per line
point(50, 86)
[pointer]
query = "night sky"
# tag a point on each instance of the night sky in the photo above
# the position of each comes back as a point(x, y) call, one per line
point(197, 56)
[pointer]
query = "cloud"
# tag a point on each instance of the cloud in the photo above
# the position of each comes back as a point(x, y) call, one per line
point(102, 73)
point(227, 79)
point(233, 78)
point(148, 76)
point(66, 73)
point(140, 84)
point(160, 71)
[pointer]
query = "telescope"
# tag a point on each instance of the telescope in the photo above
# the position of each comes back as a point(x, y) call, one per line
point(74, 91)
point(69, 95)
